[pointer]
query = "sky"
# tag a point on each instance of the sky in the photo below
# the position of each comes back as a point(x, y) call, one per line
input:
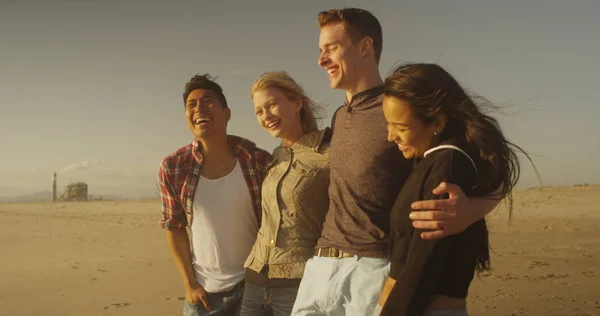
point(93, 90)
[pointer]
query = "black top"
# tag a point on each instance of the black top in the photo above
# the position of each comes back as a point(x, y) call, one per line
point(423, 268)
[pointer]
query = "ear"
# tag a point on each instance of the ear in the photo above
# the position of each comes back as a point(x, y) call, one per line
point(440, 123)
point(227, 113)
point(298, 104)
point(366, 45)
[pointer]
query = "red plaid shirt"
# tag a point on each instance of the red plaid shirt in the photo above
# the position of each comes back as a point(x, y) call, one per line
point(180, 171)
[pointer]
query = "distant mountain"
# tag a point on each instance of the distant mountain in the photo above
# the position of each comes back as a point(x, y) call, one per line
point(42, 196)
point(46, 196)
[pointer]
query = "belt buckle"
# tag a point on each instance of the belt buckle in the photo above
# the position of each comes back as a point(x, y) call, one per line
point(335, 253)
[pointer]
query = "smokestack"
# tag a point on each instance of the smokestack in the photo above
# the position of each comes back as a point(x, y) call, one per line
point(54, 187)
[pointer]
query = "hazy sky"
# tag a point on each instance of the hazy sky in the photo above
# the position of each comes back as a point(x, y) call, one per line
point(100, 83)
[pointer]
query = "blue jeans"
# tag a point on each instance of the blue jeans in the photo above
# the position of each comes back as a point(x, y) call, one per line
point(268, 301)
point(341, 287)
point(226, 303)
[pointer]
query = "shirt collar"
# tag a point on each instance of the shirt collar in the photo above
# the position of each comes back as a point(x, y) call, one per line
point(366, 95)
point(313, 140)
point(242, 147)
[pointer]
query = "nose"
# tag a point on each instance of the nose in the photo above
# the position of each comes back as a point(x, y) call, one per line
point(323, 59)
point(201, 105)
point(391, 137)
point(267, 114)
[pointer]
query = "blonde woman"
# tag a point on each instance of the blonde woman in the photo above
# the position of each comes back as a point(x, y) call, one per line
point(294, 195)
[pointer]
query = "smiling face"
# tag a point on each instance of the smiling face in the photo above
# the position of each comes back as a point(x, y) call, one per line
point(339, 56)
point(412, 135)
point(277, 114)
point(205, 115)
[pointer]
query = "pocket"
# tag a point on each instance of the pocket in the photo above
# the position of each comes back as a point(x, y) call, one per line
point(304, 176)
point(190, 309)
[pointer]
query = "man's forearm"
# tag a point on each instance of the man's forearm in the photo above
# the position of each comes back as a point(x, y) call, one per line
point(179, 243)
point(482, 206)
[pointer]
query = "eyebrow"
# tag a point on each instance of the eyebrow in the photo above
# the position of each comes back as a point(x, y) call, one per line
point(203, 99)
point(398, 123)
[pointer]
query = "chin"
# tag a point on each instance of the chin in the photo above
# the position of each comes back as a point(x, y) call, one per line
point(275, 134)
point(408, 155)
point(335, 83)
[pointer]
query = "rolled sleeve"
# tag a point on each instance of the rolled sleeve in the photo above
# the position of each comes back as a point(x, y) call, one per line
point(173, 214)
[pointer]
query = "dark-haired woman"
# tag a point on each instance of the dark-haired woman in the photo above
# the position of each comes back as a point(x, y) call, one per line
point(435, 123)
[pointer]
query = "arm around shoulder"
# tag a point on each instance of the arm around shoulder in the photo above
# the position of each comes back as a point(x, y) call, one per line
point(453, 214)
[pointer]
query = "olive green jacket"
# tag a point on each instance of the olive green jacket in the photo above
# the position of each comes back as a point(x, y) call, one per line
point(295, 201)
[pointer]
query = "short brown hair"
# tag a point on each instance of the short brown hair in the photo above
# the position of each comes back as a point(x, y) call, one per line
point(205, 82)
point(358, 23)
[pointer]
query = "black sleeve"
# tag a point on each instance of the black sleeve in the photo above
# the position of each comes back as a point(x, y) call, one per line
point(419, 278)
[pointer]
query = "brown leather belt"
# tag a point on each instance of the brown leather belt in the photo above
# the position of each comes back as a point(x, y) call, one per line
point(331, 252)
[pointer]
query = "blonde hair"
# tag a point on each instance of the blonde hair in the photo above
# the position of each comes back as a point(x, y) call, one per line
point(310, 112)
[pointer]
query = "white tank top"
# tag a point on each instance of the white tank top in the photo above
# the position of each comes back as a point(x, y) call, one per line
point(223, 230)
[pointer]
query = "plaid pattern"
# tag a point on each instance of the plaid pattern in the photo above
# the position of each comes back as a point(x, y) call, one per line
point(180, 171)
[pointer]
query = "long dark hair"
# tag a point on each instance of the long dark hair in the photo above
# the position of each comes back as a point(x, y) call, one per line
point(431, 91)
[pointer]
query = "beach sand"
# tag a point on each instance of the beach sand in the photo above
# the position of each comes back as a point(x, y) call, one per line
point(111, 258)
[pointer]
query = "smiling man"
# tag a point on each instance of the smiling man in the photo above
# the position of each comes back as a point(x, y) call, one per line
point(347, 272)
point(212, 188)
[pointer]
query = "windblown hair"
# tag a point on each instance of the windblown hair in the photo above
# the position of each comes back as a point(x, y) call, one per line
point(310, 113)
point(431, 91)
point(205, 82)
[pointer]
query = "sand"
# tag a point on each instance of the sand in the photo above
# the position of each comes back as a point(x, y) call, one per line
point(111, 258)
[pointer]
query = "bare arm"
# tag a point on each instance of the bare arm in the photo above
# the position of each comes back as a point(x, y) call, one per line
point(174, 221)
point(453, 215)
point(179, 243)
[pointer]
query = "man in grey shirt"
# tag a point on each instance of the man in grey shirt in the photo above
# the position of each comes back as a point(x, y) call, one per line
point(350, 264)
